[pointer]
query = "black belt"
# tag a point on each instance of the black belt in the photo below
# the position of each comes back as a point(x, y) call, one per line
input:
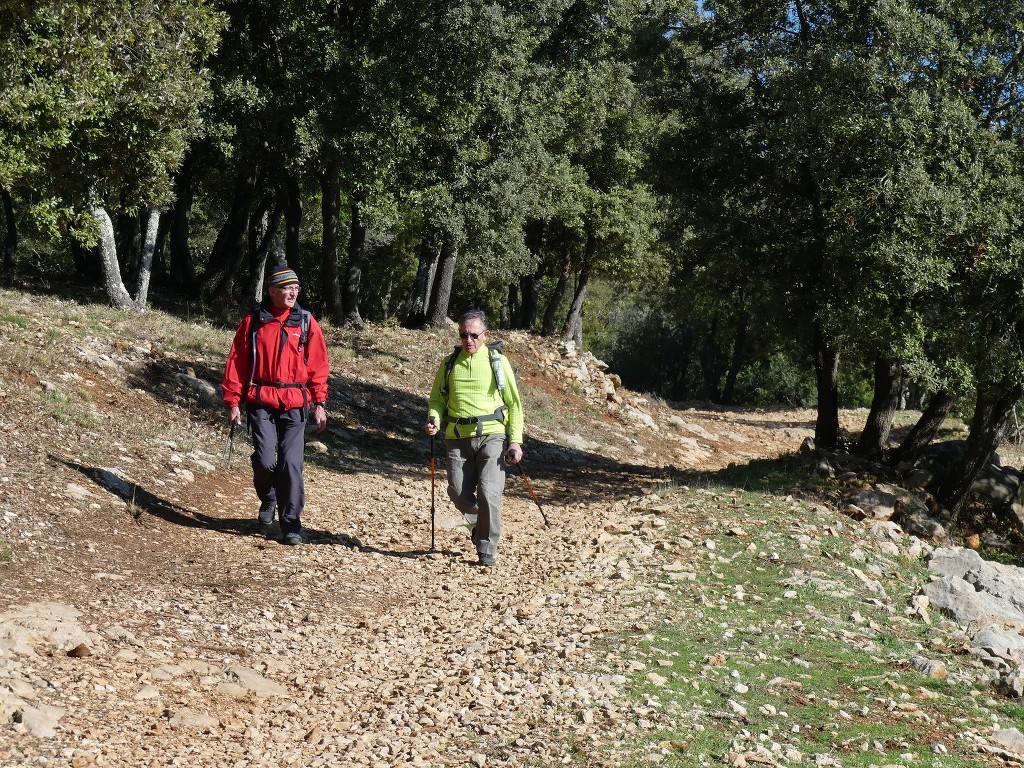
point(498, 415)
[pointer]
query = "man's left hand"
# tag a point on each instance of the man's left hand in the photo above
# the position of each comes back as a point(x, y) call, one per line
point(514, 454)
point(320, 417)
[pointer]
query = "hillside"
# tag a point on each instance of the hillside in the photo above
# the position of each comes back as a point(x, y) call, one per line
point(143, 622)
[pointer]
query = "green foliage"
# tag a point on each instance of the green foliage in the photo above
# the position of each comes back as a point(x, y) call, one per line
point(745, 178)
point(776, 381)
point(645, 348)
point(98, 102)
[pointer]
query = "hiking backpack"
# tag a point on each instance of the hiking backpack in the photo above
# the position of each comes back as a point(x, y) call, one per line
point(298, 317)
point(494, 352)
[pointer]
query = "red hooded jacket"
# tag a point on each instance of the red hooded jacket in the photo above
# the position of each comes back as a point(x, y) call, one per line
point(286, 375)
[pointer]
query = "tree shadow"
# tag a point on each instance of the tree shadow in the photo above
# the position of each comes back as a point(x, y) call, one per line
point(785, 474)
point(86, 289)
point(144, 502)
point(409, 554)
point(378, 429)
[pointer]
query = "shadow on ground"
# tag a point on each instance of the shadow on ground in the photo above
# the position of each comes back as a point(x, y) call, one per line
point(143, 502)
point(378, 429)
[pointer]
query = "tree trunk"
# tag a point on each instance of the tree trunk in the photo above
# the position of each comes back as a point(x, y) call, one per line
point(255, 241)
point(231, 246)
point(419, 298)
point(573, 328)
point(182, 267)
point(529, 286)
point(146, 260)
point(356, 256)
point(736, 362)
point(128, 239)
point(108, 256)
point(442, 292)
point(990, 413)
point(159, 269)
point(884, 402)
point(926, 428)
point(826, 369)
point(551, 311)
point(510, 307)
point(261, 238)
point(330, 280)
point(11, 238)
point(709, 369)
point(292, 220)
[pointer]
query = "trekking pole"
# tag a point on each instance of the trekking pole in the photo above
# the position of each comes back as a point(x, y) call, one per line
point(231, 445)
point(518, 465)
point(433, 467)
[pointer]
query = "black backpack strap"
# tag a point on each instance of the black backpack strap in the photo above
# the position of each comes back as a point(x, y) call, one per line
point(449, 363)
point(255, 322)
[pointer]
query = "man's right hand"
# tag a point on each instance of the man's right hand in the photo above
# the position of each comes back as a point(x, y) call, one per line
point(430, 427)
point(235, 415)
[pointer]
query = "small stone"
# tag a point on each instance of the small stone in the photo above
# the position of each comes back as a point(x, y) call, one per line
point(737, 708)
point(936, 670)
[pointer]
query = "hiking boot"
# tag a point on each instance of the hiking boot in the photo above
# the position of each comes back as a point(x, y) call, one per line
point(266, 530)
point(292, 539)
point(266, 513)
point(487, 561)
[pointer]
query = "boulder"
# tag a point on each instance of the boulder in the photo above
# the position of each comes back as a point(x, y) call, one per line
point(878, 504)
point(917, 522)
point(997, 484)
point(973, 590)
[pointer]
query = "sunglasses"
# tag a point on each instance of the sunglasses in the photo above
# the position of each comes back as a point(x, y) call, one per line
point(473, 336)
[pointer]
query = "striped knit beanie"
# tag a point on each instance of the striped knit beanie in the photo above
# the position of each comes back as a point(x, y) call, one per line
point(282, 276)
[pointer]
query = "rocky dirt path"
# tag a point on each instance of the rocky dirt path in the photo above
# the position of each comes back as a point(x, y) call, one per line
point(359, 648)
point(200, 643)
point(143, 623)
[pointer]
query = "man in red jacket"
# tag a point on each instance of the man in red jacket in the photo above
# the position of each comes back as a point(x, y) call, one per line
point(278, 369)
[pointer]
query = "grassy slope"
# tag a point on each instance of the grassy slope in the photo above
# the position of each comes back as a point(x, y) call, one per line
point(784, 635)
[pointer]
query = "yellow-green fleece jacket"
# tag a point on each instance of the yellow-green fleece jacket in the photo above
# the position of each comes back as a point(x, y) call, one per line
point(472, 391)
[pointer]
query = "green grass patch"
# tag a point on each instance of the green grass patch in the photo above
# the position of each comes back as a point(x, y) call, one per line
point(788, 642)
point(16, 320)
point(6, 552)
point(71, 411)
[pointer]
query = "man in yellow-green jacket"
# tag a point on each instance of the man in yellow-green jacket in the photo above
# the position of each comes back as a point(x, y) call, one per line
point(476, 400)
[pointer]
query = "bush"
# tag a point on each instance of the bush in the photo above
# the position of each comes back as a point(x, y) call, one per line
point(649, 352)
point(777, 381)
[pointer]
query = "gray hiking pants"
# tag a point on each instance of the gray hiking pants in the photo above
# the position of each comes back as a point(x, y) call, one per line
point(476, 482)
